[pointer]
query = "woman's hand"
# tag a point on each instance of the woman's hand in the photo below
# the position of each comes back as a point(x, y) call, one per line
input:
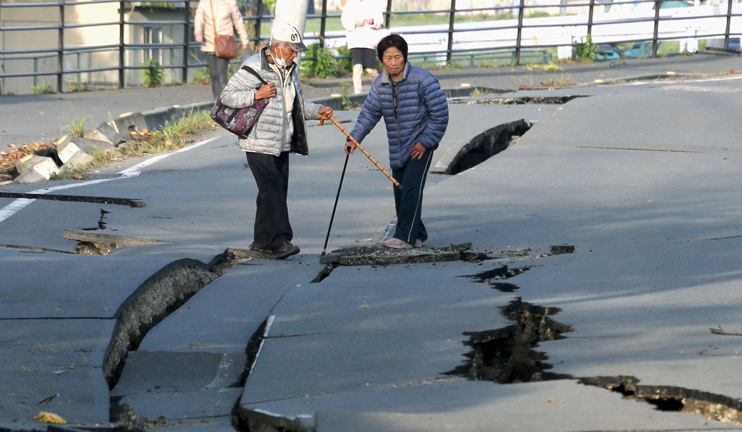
point(265, 92)
point(417, 151)
point(199, 37)
point(349, 147)
point(325, 113)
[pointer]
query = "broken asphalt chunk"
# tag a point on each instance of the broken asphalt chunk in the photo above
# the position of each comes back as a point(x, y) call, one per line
point(371, 255)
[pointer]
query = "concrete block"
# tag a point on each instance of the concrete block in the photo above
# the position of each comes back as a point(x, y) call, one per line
point(66, 150)
point(78, 160)
point(30, 176)
point(86, 145)
point(43, 165)
point(183, 110)
point(157, 117)
point(126, 122)
point(105, 132)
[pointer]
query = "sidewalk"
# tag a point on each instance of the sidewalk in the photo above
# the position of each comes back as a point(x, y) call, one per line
point(21, 116)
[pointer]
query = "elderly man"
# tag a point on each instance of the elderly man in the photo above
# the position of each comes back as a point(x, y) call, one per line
point(280, 129)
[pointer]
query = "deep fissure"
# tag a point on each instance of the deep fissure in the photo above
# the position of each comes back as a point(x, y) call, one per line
point(525, 100)
point(487, 144)
point(324, 273)
point(673, 399)
point(507, 355)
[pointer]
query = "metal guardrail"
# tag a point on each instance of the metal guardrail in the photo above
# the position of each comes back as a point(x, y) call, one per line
point(257, 22)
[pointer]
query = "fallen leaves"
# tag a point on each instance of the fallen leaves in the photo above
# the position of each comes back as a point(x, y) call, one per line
point(14, 154)
point(47, 417)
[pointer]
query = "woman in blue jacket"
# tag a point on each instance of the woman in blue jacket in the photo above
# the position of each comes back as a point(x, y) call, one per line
point(415, 112)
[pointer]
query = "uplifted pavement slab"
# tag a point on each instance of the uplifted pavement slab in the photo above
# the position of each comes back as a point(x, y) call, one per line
point(223, 316)
point(365, 327)
point(57, 346)
point(192, 365)
point(179, 385)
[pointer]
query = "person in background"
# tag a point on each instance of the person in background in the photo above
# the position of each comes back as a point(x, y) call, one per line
point(280, 129)
point(363, 20)
point(415, 112)
point(226, 16)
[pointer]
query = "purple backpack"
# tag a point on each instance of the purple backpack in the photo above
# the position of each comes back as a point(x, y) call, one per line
point(239, 121)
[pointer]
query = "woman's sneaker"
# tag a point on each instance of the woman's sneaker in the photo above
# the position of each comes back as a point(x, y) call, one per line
point(419, 243)
point(394, 243)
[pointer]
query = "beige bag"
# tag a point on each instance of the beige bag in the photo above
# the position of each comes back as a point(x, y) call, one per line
point(224, 46)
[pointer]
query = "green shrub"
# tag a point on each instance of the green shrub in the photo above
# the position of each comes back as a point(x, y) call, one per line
point(345, 64)
point(43, 88)
point(202, 76)
point(154, 75)
point(345, 104)
point(318, 62)
point(586, 51)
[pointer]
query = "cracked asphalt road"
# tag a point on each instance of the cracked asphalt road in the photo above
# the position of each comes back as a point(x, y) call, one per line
point(641, 179)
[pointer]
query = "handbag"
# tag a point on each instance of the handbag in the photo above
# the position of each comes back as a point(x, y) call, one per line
point(239, 121)
point(225, 46)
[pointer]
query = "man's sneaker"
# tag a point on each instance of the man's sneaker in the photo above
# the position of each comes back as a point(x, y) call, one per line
point(260, 251)
point(285, 250)
point(394, 243)
point(419, 243)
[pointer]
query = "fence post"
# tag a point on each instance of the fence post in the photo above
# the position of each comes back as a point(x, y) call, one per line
point(590, 19)
point(186, 40)
point(521, 10)
point(60, 54)
point(122, 48)
point(388, 18)
point(451, 20)
point(655, 43)
point(257, 24)
point(729, 24)
point(323, 23)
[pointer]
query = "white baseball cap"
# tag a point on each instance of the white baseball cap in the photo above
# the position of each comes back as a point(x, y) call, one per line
point(289, 34)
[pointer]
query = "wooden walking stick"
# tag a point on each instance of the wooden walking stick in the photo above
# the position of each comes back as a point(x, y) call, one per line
point(332, 119)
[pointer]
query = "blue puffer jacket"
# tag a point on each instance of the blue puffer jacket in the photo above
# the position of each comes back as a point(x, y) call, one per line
point(422, 113)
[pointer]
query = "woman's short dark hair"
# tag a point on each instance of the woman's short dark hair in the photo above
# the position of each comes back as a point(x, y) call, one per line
point(393, 40)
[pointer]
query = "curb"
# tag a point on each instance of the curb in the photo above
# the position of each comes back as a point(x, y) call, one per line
point(109, 135)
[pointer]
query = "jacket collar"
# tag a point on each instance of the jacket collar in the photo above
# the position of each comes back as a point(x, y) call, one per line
point(386, 79)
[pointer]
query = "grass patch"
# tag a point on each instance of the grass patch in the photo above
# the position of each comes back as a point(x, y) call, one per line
point(43, 88)
point(76, 127)
point(202, 77)
point(548, 67)
point(173, 136)
point(561, 82)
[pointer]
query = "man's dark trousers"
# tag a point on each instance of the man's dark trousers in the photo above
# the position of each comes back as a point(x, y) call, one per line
point(409, 200)
point(271, 174)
